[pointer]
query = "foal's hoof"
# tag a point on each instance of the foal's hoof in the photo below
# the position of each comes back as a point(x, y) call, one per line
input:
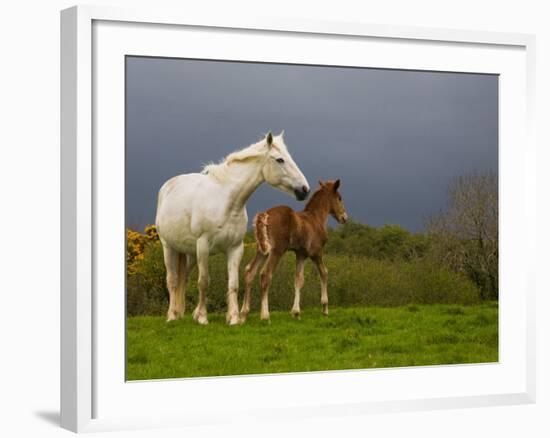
point(202, 320)
point(295, 314)
point(200, 317)
point(325, 310)
point(243, 317)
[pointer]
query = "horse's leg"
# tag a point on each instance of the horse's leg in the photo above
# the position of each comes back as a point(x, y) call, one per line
point(265, 281)
point(179, 295)
point(191, 263)
point(171, 262)
point(199, 314)
point(298, 284)
point(234, 257)
point(186, 264)
point(249, 274)
point(323, 275)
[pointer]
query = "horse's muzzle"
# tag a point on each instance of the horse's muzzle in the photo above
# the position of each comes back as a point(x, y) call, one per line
point(301, 193)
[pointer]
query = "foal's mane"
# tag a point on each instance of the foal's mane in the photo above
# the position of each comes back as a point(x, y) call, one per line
point(220, 171)
point(317, 198)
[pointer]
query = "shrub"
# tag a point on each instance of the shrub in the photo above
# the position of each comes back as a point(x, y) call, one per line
point(389, 242)
point(353, 280)
point(146, 292)
point(136, 243)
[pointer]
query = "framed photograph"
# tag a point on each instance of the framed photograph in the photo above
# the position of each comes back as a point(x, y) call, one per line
point(267, 217)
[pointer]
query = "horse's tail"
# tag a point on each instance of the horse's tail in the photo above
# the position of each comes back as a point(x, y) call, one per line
point(261, 232)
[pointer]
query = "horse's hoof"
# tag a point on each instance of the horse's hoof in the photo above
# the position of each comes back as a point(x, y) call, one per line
point(242, 318)
point(172, 316)
point(295, 314)
point(232, 319)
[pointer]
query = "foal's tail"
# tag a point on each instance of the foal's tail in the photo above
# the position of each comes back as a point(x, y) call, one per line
point(261, 232)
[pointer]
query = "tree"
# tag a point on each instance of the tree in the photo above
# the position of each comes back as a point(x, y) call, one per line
point(465, 234)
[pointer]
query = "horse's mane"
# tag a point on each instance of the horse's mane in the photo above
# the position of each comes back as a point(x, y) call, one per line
point(220, 171)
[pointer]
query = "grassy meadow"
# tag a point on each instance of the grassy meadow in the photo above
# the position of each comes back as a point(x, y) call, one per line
point(349, 338)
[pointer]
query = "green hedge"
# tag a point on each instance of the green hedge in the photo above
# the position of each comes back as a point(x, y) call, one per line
point(353, 280)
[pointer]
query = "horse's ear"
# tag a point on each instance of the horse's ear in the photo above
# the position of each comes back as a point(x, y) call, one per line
point(282, 133)
point(336, 185)
point(269, 139)
point(321, 183)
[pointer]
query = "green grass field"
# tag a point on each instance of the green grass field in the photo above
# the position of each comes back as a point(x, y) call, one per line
point(350, 338)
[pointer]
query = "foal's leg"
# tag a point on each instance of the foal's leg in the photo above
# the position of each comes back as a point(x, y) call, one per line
point(249, 274)
point(171, 262)
point(265, 281)
point(234, 256)
point(323, 274)
point(199, 314)
point(298, 284)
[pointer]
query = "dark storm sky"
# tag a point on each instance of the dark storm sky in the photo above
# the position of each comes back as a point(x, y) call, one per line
point(395, 138)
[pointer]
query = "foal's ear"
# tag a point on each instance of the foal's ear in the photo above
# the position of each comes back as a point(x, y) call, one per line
point(269, 139)
point(336, 185)
point(321, 183)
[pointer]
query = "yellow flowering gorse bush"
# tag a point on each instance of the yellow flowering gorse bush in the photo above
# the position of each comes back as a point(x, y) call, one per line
point(135, 245)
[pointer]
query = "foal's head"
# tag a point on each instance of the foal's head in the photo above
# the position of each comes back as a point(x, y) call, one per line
point(334, 200)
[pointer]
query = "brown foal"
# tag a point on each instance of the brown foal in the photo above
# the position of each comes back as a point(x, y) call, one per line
point(281, 229)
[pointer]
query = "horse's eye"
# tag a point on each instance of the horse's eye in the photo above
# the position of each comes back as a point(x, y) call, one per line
point(280, 161)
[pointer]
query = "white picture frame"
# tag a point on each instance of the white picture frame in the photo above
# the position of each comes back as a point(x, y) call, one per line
point(85, 380)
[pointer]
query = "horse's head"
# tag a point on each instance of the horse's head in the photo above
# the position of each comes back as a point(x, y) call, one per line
point(281, 171)
point(336, 204)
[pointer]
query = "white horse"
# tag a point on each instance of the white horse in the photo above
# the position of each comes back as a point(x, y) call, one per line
point(199, 214)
